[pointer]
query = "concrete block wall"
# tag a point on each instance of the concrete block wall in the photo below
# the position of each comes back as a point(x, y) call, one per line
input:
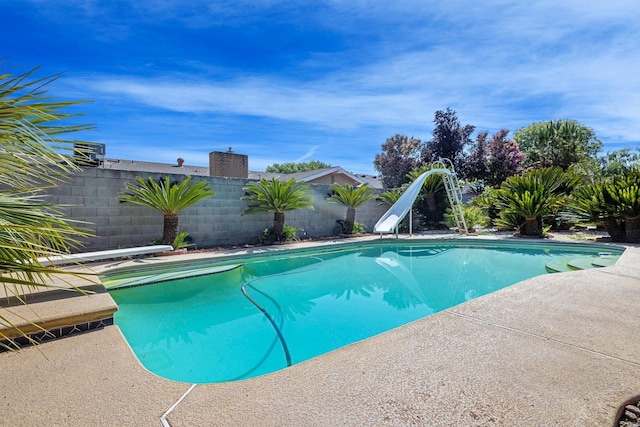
point(91, 197)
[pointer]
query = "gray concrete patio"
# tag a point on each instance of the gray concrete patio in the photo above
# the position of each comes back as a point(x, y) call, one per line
point(558, 349)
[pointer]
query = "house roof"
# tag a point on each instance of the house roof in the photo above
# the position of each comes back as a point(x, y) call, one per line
point(308, 176)
point(152, 167)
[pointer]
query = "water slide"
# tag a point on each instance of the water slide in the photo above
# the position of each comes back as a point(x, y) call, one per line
point(390, 220)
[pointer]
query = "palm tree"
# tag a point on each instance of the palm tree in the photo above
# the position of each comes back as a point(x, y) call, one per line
point(526, 199)
point(530, 204)
point(167, 197)
point(277, 197)
point(623, 193)
point(34, 156)
point(587, 203)
point(351, 196)
point(431, 186)
point(391, 196)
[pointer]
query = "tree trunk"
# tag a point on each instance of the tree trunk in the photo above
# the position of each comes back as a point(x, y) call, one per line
point(278, 225)
point(350, 221)
point(431, 215)
point(632, 229)
point(531, 227)
point(170, 228)
point(616, 229)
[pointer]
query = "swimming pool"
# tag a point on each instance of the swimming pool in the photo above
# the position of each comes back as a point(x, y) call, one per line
point(241, 317)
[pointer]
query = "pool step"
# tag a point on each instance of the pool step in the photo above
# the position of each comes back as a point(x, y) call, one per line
point(605, 261)
point(558, 265)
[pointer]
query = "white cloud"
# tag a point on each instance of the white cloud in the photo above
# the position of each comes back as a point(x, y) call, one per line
point(498, 63)
point(308, 155)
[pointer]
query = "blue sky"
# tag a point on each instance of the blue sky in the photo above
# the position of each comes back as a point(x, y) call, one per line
point(291, 81)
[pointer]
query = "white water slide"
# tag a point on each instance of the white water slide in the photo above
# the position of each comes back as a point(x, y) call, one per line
point(392, 218)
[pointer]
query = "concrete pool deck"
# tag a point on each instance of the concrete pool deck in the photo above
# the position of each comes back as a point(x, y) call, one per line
point(558, 349)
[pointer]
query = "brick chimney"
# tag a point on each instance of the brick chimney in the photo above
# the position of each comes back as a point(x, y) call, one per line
point(228, 164)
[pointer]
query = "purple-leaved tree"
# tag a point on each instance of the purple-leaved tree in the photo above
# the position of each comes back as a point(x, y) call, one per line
point(495, 160)
point(449, 139)
point(505, 158)
point(476, 166)
point(400, 155)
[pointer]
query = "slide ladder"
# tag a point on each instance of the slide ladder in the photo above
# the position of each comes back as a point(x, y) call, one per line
point(389, 222)
point(454, 193)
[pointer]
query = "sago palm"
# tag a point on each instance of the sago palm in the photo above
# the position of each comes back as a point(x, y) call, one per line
point(530, 197)
point(351, 196)
point(167, 197)
point(431, 186)
point(277, 197)
point(623, 194)
point(389, 197)
point(34, 155)
point(530, 204)
point(587, 203)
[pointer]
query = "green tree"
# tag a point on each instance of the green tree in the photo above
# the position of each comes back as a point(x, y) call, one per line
point(619, 162)
point(292, 167)
point(352, 197)
point(277, 197)
point(557, 143)
point(34, 156)
point(167, 197)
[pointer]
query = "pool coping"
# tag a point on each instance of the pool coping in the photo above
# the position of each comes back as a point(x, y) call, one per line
point(520, 355)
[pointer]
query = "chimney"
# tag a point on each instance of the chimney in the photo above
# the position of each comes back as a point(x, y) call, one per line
point(228, 164)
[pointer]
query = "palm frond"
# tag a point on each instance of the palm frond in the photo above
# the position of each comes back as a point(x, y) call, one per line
point(277, 196)
point(167, 197)
point(351, 196)
point(389, 197)
point(33, 157)
point(31, 128)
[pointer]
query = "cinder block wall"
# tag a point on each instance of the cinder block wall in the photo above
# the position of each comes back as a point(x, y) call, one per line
point(91, 196)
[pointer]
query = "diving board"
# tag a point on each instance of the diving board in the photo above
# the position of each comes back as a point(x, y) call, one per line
point(101, 255)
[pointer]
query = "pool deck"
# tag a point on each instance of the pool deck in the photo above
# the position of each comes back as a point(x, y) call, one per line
point(559, 349)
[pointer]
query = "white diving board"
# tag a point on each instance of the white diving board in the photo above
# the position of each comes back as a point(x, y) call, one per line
point(101, 255)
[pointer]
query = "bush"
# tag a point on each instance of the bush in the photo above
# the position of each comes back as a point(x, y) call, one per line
point(182, 240)
point(289, 234)
point(358, 228)
point(474, 217)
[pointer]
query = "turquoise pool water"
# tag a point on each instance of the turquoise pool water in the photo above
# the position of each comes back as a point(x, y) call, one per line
point(203, 329)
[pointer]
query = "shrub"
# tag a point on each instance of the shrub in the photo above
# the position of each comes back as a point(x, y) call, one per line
point(289, 234)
